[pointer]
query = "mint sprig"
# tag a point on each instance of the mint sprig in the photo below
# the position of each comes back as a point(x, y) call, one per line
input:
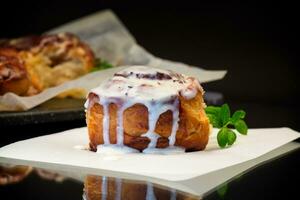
point(100, 65)
point(220, 118)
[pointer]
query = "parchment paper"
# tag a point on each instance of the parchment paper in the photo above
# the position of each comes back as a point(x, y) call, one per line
point(111, 41)
point(58, 149)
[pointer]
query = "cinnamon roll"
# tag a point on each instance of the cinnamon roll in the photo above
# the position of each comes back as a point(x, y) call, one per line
point(148, 109)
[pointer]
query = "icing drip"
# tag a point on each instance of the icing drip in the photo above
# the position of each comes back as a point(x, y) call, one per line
point(84, 196)
point(87, 103)
point(113, 149)
point(154, 112)
point(120, 129)
point(165, 151)
point(105, 122)
point(172, 137)
point(157, 89)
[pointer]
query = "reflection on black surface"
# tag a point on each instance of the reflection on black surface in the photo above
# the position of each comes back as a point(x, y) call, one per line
point(10, 174)
point(13, 174)
point(23, 182)
point(101, 187)
point(276, 179)
point(38, 184)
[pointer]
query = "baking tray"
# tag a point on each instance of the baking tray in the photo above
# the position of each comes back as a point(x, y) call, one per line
point(54, 110)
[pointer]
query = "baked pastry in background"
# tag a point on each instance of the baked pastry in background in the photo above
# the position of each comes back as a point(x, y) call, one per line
point(146, 108)
point(48, 60)
point(97, 187)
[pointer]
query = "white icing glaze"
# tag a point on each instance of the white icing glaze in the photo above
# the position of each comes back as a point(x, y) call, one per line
point(120, 132)
point(113, 149)
point(157, 89)
point(86, 104)
point(165, 151)
point(84, 196)
point(175, 111)
point(154, 112)
point(105, 120)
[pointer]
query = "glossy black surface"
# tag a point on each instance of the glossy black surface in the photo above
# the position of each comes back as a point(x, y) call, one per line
point(255, 42)
point(35, 187)
point(272, 180)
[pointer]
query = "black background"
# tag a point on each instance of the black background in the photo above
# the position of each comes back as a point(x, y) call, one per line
point(255, 42)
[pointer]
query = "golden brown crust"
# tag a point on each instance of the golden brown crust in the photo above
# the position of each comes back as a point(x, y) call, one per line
point(57, 59)
point(192, 133)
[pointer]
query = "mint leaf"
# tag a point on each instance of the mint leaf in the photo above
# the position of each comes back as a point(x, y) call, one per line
point(213, 114)
point(231, 137)
point(222, 137)
point(214, 121)
point(220, 117)
point(105, 65)
point(239, 114)
point(100, 65)
point(212, 110)
point(225, 114)
point(241, 126)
